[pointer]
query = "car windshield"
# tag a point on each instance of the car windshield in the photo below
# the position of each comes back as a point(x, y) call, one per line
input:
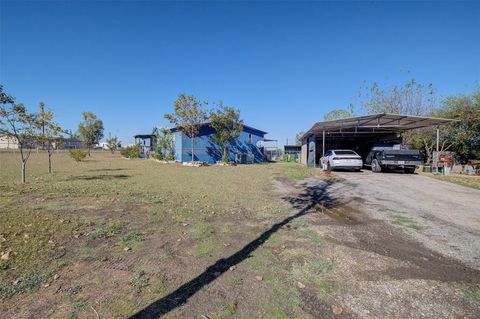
point(345, 153)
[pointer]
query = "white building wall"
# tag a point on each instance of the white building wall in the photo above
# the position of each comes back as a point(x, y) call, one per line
point(8, 142)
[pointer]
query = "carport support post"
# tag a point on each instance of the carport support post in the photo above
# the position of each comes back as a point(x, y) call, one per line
point(323, 143)
point(436, 153)
point(323, 149)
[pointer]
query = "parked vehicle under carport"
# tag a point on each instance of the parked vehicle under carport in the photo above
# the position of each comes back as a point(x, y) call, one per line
point(342, 159)
point(361, 133)
point(383, 158)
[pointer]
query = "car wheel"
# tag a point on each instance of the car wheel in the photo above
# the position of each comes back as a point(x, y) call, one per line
point(376, 167)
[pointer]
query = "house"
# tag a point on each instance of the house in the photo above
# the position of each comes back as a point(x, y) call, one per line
point(67, 143)
point(246, 148)
point(146, 142)
point(7, 141)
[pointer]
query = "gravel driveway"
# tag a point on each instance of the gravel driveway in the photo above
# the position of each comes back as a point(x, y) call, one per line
point(445, 217)
point(402, 246)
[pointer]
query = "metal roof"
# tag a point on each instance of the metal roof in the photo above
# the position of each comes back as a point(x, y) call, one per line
point(383, 123)
point(144, 136)
point(174, 129)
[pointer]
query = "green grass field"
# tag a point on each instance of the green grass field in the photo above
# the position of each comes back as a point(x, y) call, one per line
point(108, 236)
point(472, 181)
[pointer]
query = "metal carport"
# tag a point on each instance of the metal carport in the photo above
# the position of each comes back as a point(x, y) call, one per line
point(361, 133)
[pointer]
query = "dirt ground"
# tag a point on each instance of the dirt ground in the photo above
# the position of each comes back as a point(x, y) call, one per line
point(112, 238)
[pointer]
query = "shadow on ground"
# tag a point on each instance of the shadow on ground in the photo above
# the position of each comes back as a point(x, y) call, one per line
point(107, 170)
point(98, 177)
point(305, 201)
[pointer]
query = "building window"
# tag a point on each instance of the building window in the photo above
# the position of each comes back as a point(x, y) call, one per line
point(250, 138)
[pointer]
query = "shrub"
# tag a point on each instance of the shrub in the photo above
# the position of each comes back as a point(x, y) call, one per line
point(289, 158)
point(164, 146)
point(131, 151)
point(78, 154)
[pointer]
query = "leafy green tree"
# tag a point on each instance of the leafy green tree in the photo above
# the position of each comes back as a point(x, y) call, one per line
point(90, 130)
point(16, 123)
point(164, 145)
point(50, 132)
point(339, 114)
point(425, 139)
point(298, 138)
point(112, 144)
point(464, 134)
point(188, 116)
point(228, 126)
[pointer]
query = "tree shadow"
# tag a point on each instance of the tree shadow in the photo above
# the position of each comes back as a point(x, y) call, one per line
point(107, 170)
point(98, 177)
point(312, 195)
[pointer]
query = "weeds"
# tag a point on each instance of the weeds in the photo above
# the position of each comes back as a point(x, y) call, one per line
point(201, 230)
point(299, 222)
point(79, 305)
point(408, 222)
point(314, 237)
point(469, 293)
point(203, 249)
point(277, 313)
point(229, 308)
point(29, 282)
point(139, 280)
point(316, 272)
point(75, 290)
point(350, 184)
point(106, 231)
point(133, 236)
point(390, 210)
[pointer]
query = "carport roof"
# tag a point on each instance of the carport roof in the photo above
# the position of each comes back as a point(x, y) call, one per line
point(383, 123)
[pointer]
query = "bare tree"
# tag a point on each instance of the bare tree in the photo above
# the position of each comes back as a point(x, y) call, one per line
point(112, 144)
point(18, 124)
point(50, 132)
point(413, 98)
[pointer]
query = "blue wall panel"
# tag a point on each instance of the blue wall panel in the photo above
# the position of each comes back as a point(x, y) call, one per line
point(177, 139)
point(206, 150)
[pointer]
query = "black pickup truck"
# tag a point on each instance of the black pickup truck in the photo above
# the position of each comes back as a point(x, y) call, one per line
point(381, 158)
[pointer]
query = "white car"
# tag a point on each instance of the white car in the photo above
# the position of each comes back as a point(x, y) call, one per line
point(341, 159)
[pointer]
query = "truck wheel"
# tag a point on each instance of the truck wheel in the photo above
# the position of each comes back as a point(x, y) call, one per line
point(376, 168)
point(410, 170)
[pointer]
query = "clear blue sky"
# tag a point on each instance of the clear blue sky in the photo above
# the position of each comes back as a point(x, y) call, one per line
point(283, 64)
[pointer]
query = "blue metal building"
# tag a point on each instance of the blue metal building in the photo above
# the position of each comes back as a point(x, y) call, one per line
point(245, 148)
